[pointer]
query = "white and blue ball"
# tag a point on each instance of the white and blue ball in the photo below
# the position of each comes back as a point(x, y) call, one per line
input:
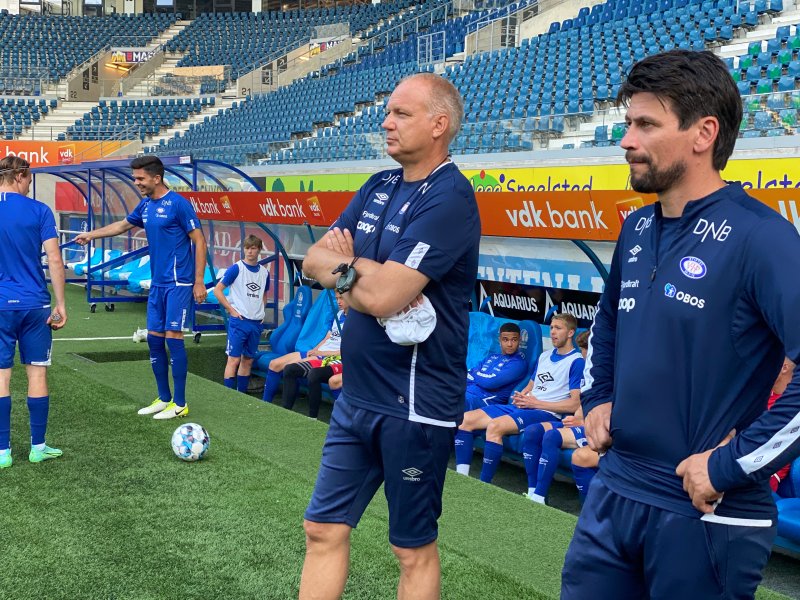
point(190, 442)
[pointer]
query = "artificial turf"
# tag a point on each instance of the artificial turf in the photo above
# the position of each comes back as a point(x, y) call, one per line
point(120, 517)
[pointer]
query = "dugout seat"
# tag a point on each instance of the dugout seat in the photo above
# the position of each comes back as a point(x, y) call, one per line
point(98, 256)
point(284, 338)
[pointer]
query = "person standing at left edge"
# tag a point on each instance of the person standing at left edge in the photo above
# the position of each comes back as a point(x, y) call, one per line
point(172, 227)
point(408, 240)
point(26, 316)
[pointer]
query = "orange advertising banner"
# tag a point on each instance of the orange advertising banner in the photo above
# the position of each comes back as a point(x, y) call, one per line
point(48, 154)
point(584, 215)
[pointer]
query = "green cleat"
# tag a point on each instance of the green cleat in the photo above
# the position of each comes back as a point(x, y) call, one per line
point(37, 456)
point(5, 460)
point(171, 411)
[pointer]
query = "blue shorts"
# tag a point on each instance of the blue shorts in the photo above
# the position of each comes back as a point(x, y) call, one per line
point(364, 449)
point(168, 307)
point(243, 336)
point(628, 550)
point(29, 328)
point(522, 416)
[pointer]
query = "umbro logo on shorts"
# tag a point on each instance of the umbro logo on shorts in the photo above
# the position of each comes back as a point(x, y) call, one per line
point(412, 474)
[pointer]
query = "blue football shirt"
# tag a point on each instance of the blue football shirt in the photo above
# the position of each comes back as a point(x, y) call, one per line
point(25, 224)
point(431, 226)
point(167, 222)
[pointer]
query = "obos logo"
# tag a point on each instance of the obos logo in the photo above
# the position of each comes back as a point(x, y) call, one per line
point(670, 291)
point(626, 304)
point(693, 267)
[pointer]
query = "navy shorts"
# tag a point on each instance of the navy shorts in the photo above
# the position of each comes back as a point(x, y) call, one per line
point(30, 330)
point(168, 307)
point(627, 550)
point(243, 337)
point(364, 449)
point(522, 416)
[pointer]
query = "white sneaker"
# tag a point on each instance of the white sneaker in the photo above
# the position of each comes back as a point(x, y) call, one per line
point(139, 335)
point(171, 411)
point(155, 406)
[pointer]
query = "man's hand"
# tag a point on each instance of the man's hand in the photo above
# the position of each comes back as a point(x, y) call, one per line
point(200, 292)
point(235, 314)
point(571, 421)
point(598, 427)
point(340, 241)
point(696, 482)
point(58, 318)
point(83, 238)
point(523, 400)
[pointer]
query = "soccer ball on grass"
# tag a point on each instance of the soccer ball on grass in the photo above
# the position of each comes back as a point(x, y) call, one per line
point(190, 442)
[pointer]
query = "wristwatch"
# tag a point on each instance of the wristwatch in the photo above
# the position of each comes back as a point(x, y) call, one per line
point(347, 277)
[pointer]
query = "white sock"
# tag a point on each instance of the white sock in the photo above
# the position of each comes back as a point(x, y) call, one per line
point(4, 452)
point(531, 492)
point(462, 469)
point(38, 446)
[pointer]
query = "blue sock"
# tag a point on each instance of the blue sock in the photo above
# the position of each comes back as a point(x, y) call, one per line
point(5, 422)
point(160, 364)
point(180, 366)
point(492, 453)
point(532, 450)
point(229, 382)
point(583, 477)
point(463, 443)
point(548, 462)
point(242, 381)
point(271, 383)
point(38, 409)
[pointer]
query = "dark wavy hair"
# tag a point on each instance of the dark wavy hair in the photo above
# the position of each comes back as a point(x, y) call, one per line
point(695, 85)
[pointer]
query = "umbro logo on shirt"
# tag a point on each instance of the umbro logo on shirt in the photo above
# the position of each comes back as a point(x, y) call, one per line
point(253, 286)
point(381, 198)
point(634, 251)
point(545, 377)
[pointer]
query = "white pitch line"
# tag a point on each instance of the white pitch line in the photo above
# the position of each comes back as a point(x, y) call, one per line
point(125, 337)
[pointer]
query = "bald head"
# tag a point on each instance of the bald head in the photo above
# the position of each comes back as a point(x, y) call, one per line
point(442, 98)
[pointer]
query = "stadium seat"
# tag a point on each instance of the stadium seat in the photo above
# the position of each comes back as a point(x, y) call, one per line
point(284, 337)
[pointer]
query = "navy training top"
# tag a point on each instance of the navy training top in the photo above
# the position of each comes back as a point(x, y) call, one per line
point(688, 339)
point(432, 226)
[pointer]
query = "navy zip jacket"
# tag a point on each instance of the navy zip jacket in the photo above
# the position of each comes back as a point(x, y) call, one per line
point(689, 337)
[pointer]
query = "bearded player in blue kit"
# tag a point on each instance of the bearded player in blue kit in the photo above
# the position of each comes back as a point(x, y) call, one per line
point(172, 228)
point(405, 247)
point(698, 311)
point(26, 315)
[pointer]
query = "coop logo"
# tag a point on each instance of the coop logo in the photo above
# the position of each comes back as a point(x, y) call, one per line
point(626, 304)
point(380, 198)
point(365, 227)
point(693, 267)
point(670, 291)
point(552, 218)
point(66, 154)
point(412, 474)
point(634, 251)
